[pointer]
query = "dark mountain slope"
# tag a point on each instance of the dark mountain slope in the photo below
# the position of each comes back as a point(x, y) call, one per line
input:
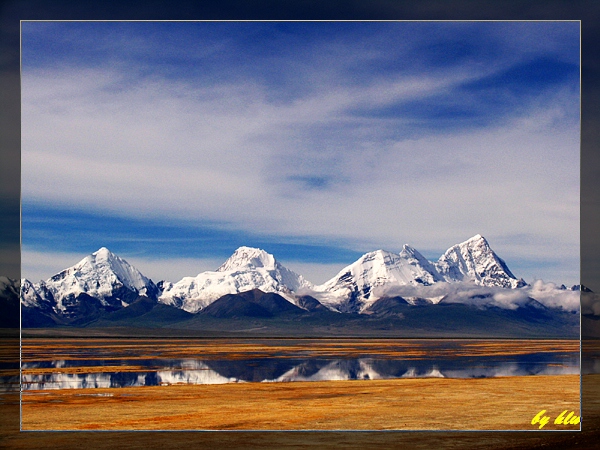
point(254, 303)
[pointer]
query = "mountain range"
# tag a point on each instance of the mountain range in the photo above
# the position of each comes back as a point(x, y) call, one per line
point(103, 289)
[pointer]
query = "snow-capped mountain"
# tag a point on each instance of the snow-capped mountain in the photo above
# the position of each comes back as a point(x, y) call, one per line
point(36, 295)
point(102, 276)
point(355, 287)
point(352, 289)
point(103, 282)
point(474, 260)
point(394, 292)
point(247, 269)
point(247, 258)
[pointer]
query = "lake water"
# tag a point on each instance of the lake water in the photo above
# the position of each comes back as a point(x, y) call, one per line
point(104, 367)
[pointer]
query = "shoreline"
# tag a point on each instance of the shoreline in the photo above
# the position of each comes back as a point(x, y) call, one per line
point(36, 349)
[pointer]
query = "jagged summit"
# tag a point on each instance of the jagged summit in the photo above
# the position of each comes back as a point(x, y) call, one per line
point(416, 259)
point(100, 282)
point(352, 289)
point(358, 285)
point(97, 275)
point(248, 258)
point(474, 260)
point(103, 253)
point(246, 269)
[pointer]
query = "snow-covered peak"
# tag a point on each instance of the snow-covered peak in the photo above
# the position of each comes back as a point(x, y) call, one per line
point(98, 275)
point(248, 258)
point(107, 263)
point(104, 255)
point(381, 266)
point(408, 250)
point(352, 289)
point(247, 269)
point(474, 260)
point(29, 295)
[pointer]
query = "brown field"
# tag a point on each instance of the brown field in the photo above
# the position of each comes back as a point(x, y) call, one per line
point(505, 403)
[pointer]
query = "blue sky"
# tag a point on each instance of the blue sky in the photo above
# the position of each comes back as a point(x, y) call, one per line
point(173, 143)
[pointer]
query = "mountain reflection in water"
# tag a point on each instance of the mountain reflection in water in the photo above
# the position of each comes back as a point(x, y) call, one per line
point(192, 371)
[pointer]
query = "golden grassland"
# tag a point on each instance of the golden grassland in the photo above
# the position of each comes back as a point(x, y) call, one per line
point(503, 403)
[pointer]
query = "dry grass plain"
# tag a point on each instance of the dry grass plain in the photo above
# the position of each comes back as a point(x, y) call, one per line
point(503, 403)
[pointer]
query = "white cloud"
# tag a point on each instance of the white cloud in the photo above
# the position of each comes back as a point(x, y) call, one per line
point(468, 293)
point(151, 147)
point(154, 147)
point(549, 295)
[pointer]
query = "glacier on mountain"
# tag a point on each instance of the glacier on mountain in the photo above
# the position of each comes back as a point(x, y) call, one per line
point(466, 271)
point(99, 275)
point(474, 260)
point(352, 289)
point(247, 269)
point(102, 275)
point(358, 285)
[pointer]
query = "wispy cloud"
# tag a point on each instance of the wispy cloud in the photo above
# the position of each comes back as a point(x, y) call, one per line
point(377, 134)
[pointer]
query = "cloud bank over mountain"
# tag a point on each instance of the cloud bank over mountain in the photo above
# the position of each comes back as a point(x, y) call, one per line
point(548, 294)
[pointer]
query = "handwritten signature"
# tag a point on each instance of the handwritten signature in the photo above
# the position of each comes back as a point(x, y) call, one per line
point(562, 419)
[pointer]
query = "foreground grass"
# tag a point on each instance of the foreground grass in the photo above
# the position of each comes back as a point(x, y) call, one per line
point(503, 403)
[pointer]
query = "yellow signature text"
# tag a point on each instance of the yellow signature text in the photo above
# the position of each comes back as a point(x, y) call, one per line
point(564, 418)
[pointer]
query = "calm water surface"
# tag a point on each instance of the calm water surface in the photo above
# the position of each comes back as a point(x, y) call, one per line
point(102, 372)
